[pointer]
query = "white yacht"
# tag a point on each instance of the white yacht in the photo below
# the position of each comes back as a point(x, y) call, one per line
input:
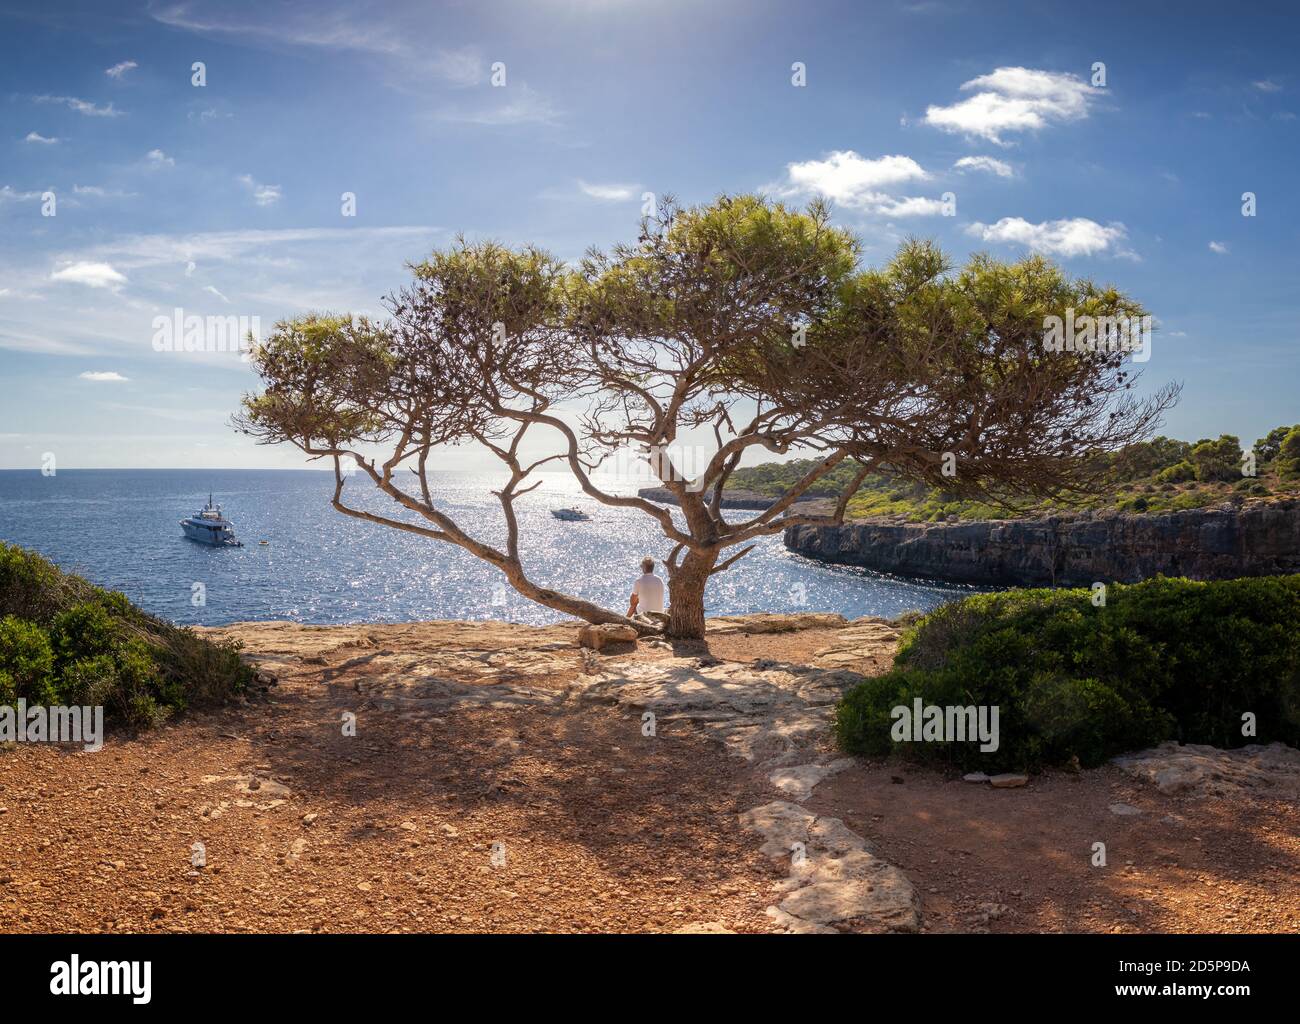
point(571, 515)
point(209, 526)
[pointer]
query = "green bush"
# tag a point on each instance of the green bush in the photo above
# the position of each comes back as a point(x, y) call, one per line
point(1217, 460)
point(1162, 659)
point(1268, 447)
point(26, 663)
point(1288, 455)
point(1178, 473)
point(66, 641)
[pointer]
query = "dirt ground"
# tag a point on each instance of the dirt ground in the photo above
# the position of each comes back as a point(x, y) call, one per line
point(550, 817)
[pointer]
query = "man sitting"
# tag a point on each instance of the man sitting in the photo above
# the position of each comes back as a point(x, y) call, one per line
point(647, 591)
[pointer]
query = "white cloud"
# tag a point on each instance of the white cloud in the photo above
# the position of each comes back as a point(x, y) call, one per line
point(458, 67)
point(207, 114)
point(1220, 247)
point(132, 251)
point(120, 69)
point(855, 181)
point(38, 137)
point(210, 288)
point(99, 192)
point(609, 193)
point(845, 177)
point(94, 275)
point(377, 33)
point(157, 158)
point(102, 375)
point(910, 206)
point(1267, 85)
point(40, 343)
point(82, 106)
point(9, 194)
point(263, 195)
point(1077, 236)
point(522, 105)
point(1013, 99)
point(985, 163)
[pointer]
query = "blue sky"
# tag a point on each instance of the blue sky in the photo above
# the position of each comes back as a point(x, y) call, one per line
point(225, 200)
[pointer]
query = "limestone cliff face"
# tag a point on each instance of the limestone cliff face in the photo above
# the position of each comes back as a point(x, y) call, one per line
point(1260, 539)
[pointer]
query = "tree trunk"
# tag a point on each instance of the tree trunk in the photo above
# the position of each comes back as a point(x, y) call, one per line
point(686, 595)
point(574, 606)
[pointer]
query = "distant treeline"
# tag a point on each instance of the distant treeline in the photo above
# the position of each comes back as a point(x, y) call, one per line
point(1160, 475)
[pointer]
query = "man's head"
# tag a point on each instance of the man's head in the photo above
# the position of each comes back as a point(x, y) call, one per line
point(647, 565)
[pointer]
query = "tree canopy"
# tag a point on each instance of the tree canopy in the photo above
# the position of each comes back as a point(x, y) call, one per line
point(742, 320)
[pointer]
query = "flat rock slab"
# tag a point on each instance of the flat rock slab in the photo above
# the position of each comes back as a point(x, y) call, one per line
point(765, 714)
point(685, 688)
point(859, 641)
point(1200, 770)
point(797, 781)
point(774, 623)
point(835, 877)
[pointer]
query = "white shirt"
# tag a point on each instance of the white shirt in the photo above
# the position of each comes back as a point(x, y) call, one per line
point(649, 591)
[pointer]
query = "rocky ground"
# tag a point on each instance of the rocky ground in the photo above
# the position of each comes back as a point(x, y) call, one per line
point(492, 777)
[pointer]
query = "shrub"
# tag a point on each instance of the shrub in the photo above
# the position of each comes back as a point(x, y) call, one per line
point(1269, 446)
point(1217, 460)
point(1288, 455)
point(65, 641)
point(1178, 473)
point(26, 663)
point(1163, 659)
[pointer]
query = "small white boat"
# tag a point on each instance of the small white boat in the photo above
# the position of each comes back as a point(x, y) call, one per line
point(570, 515)
point(209, 526)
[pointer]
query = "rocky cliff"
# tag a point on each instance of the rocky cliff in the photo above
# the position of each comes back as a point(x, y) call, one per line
point(1259, 539)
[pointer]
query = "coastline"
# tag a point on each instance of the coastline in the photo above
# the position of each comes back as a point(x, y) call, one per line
point(1220, 542)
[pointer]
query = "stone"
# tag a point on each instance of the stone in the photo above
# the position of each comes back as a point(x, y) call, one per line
point(797, 782)
point(888, 902)
point(704, 928)
point(596, 637)
point(1124, 810)
point(861, 640)
point(797, 926)
point(839, 878)
point(1008, 780)
point(975, 777)
point(1202, 770)
point(782, 824)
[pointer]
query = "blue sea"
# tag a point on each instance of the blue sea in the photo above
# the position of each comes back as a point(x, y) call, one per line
point(120, 529)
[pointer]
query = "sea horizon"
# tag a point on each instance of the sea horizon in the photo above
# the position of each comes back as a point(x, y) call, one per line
point(120, 528)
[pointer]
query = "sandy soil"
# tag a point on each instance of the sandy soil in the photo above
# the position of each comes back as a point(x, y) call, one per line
point(1020, 860)
point(306, 829)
